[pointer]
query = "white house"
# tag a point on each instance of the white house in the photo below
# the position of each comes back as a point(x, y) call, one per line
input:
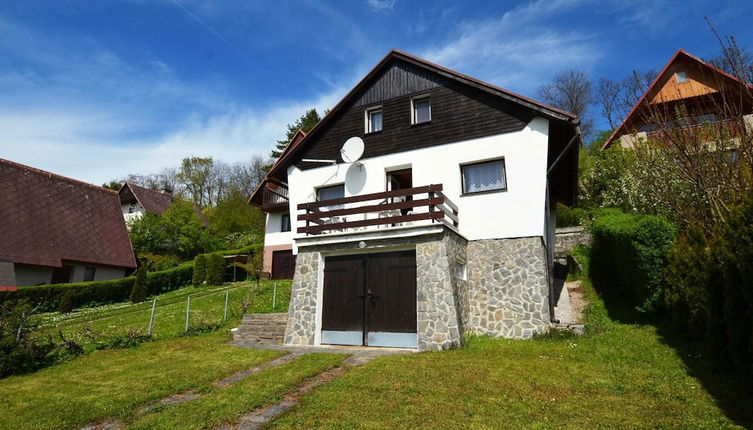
point(419, 209)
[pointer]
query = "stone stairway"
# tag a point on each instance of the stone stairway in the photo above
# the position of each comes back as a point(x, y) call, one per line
point(262, 328)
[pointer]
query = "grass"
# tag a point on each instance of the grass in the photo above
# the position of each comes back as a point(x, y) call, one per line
point(114, 383)
point(226, 405)
point(617, 376)
point(207, 306)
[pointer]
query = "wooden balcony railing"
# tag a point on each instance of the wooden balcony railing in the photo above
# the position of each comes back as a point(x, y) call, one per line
point(274, 198)
point(393, 208)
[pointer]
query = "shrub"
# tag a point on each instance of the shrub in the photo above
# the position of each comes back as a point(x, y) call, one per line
point(67, 301)
point(686, 279)
point(138, 291)
point(199, 269)
point(570, 217)
point(628, 257)
point(158, 262)
point(215, 269)
point(20, 350)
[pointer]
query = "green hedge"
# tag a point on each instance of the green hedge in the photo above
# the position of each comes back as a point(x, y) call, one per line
point(99, 292)
point(709, 284)
point(628, 257)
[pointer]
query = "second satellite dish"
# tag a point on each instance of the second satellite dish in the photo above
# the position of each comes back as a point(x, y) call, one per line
point(352, 150)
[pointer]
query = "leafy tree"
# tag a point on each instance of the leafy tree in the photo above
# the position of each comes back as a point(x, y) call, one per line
point(195, 174)
point(148, 234)
point(233, 214)
point(306, 122)
point(113, 185)
point(185, 231)
point(139, 292)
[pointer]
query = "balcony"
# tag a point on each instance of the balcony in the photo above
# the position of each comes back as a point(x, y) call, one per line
point(398, 208)
point(274, 198)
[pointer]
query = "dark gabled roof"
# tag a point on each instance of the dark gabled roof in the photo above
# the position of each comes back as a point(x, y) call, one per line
point(679, 55)
point(294, 147)
point(151, 200)
point(47, 218)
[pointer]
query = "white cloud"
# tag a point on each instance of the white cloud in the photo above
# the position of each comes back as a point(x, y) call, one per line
point(86, 146)
point(382, 5)
point(520, 49)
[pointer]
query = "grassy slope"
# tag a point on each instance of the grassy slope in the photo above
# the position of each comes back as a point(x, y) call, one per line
point(619, 376)
point(207, 305)
point(226, 405)
point(113, 383)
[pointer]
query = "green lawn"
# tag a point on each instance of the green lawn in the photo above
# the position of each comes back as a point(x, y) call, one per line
point(207, 306)
point(114, 383)
point(618, 376)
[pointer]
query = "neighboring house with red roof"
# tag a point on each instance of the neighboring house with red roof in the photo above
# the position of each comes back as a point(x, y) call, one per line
point(135, 200)
point(57, 230)
point(686, 82)
point(419, 209)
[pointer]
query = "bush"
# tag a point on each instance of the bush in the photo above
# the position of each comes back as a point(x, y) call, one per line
point(21, 350)
point(686, 279)
point(570, 217)
point(215, 269)
point(199, 269)
point(158, 262)
point(628, 257)
point(67, 301)
point(138, 291)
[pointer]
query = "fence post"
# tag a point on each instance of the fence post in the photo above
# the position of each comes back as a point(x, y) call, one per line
point(151, 317)
point(188, 311)
point(224, 316)
point(274, 296)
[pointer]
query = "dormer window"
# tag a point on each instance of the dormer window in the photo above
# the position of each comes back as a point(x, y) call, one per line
point(374, 119)
point(420, 109)
point(681, 77)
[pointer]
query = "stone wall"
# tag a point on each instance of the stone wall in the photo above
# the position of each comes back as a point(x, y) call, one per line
point(507, 289)
point(494, 287)
point(301, 327)
point(437, 283)
point(566, 238)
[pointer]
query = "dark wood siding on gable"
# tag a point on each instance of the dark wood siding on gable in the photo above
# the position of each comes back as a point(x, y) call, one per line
point(458, 113)
point(399, 80)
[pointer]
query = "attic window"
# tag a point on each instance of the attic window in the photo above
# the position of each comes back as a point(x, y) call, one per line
point(421, 109)
point(374, 119)
point(681, 77)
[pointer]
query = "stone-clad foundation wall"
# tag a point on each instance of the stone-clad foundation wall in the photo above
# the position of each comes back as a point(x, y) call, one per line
point(507, 293)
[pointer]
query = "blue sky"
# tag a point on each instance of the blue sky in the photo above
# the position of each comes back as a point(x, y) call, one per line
point(98, 89)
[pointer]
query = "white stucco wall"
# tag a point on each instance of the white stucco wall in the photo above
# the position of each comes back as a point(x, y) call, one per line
point(517, 212)
point(101, 273)
point(273, 235)
point(137, 213)
point(32, 275)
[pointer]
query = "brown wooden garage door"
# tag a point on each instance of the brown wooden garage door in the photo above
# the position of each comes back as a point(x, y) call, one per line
point(283, 264)
point(370, 299)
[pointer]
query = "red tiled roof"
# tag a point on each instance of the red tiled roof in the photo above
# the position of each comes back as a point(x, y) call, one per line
point(151, 200)
point(46, 218)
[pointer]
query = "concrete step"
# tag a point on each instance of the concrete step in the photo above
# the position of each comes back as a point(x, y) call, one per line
point(267, 327)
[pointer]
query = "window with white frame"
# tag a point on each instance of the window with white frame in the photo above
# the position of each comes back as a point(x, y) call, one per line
point(330, 193)
point(484, 177)
point(420, 109)
point(681, 77)
point(374, 119)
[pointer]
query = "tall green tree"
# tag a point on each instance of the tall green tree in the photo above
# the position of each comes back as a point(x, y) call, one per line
point(306, 122)
point(195, 174)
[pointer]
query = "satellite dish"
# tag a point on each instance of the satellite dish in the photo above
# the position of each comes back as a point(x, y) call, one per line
point(352, 150)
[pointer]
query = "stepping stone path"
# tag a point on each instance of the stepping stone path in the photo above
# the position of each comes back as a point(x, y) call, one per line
point(266, 331)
